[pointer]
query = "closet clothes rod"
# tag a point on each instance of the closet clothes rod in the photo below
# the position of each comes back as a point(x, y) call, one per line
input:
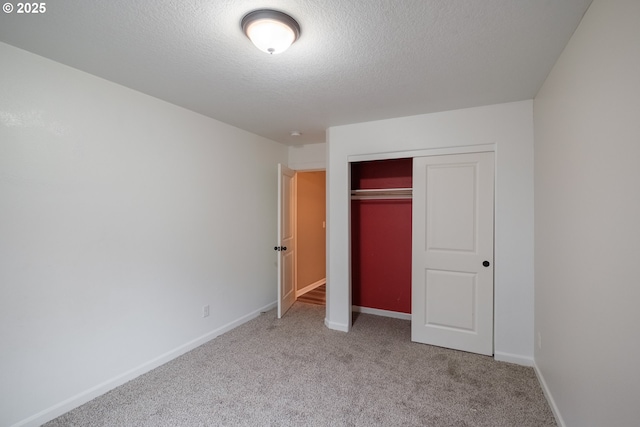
point(382, 194)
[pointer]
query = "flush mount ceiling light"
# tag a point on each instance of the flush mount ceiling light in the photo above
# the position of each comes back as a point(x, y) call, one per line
point(271, 31)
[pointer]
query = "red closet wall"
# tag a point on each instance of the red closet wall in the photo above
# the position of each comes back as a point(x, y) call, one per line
point(381, 237)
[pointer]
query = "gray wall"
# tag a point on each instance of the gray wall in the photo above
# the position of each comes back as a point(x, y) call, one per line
point(121, 216)
point(587, 221)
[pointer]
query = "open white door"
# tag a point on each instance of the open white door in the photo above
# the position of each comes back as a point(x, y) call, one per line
point(452, 268)
point(286, 242)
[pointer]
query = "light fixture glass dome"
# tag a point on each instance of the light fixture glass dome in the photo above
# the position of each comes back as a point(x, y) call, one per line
point(271, 31)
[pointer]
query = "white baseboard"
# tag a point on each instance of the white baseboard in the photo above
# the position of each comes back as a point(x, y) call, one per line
point(549, 397)
point(378, 312)
point(513, 358)
point(311, 287)
point(342, 327)
point(100, 389)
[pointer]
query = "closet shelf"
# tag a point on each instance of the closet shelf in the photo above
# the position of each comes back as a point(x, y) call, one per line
point(382, 194)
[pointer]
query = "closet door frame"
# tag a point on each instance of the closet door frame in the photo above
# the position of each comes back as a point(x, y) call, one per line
point(421, 153)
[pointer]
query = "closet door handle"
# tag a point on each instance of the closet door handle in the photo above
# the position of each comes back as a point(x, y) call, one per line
point(486, 263)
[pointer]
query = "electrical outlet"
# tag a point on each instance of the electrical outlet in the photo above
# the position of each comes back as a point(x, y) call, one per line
point(539, 341)
point(205, 311)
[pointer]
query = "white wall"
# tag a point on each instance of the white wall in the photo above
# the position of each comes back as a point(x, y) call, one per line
point(308, 157)
point(510, 128)
point(587, 240)
point(121, 216)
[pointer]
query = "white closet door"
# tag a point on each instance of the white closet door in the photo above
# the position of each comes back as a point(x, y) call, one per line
point(286, 241)
point(452, 268)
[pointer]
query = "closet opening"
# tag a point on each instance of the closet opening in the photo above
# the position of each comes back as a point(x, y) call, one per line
point(422, 244)
point(381, 206)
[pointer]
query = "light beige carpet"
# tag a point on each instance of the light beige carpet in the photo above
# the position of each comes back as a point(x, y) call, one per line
point(296, 372)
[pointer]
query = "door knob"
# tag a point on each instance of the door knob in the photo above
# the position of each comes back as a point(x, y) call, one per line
point(486, 263)
point(284, 248)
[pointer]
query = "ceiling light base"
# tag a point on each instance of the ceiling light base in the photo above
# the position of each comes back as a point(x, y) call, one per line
point(270, 31)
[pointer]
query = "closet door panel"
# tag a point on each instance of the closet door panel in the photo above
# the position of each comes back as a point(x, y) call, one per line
point(452, 272)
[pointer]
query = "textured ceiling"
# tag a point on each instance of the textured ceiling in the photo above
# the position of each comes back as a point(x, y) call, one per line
point(356, 60)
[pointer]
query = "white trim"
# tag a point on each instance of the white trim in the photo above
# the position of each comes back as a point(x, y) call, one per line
point(463, 149)
point(518, 359)
point(496, 246)
point(295, 232)
point(336, 326)
point(311, 287)
point(384, 313)
point(549, 397)
point(100, 389)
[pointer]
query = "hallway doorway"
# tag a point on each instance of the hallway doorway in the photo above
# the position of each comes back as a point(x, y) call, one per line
point(310, 205)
